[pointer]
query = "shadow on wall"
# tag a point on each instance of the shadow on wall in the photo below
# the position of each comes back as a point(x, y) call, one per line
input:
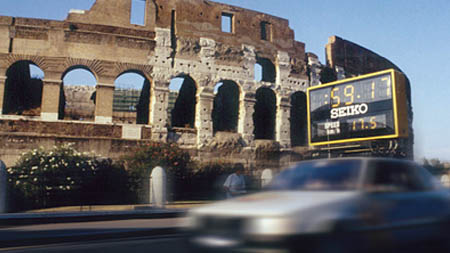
point(226, 108)
point(264, 116)
point(183, 113)
point(23, 93)
point(299, 131)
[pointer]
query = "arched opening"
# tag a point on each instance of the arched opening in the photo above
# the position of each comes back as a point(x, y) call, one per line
point(268, 72)
point(258, 72)
point(182, 102)
point(23, 89)
point(264, 116)
point(131, 100)
point(298, 120)
point(78, 94)
point(225, 112)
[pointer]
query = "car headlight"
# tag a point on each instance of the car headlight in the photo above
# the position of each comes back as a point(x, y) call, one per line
point(191, 222)
point(271, 226)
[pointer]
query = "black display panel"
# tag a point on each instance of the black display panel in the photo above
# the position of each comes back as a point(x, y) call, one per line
point(358, 109)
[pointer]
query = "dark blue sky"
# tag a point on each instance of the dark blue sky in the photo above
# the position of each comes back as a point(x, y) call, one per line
point(413, 34)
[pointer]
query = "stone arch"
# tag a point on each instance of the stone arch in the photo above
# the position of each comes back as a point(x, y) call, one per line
point(225, 113)
point(94, 66)
point(39, 61)
point(298, 119)
point(124, 67)
point(268, 70)
point(265, 113)
point(258, 72)
point(78, 96)
point(79, 66)
point(182, 101)
point(131, 99)
point(23, 92)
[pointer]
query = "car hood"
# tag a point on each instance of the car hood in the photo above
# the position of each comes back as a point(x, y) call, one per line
point(273, 203)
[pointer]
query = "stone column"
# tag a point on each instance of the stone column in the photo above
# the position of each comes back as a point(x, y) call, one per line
point(249, 61)
point(3, 187)
point(283, 125)
point(266, 177)
point(203, 120)
point(158, 182)
point(2, 92)
point(283, 67)
point(163, 50)
point(158, 110)
point(50, 99)
point(104, 102)
point(246, 125)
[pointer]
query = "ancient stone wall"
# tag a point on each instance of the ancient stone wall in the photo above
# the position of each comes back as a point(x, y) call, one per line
point(178, 38)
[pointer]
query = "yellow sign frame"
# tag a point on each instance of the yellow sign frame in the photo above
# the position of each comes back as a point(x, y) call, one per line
point(399, 107)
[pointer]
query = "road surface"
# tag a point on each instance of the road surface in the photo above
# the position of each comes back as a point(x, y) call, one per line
point(50, 234)
point(168, 244)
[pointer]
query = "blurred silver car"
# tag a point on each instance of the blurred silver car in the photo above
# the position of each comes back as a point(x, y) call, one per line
point(335, 205)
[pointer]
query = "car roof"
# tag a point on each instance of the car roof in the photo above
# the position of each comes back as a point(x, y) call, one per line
point(387, 159)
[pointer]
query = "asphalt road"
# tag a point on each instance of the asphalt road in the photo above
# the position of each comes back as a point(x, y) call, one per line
point(169, 244)
point(46, 234)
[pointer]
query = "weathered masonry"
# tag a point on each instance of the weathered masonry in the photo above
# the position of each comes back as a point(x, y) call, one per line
point(241, 75)
point(214, 47)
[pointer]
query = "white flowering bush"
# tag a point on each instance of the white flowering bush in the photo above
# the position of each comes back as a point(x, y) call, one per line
point(60, 176)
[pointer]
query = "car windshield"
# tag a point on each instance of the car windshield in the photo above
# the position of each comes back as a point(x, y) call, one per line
point(319, 176)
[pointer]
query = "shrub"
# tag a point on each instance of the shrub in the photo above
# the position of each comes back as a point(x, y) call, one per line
point(173, 159)
point(60, 176)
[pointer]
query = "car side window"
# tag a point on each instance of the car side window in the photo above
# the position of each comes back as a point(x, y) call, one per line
point(429, 182)
point(394, 177)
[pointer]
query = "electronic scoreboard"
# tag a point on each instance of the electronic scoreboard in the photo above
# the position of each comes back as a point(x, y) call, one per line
point(368, 107)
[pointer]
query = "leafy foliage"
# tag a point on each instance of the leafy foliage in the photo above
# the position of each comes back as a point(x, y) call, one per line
point(173, 159)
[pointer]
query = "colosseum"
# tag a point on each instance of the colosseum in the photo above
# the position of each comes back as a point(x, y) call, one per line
point(243, 89)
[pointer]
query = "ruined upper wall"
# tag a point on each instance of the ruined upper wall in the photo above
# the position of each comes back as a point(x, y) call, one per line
point(203, 19)
point(355, 59)
point(114, 13)
point(196, 19)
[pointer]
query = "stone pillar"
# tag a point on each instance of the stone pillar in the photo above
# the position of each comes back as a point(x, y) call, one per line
point(246, 124)
point(314, 69)
point(207, 51)
point(283, 124)
point(283, 67)
point(163, 50)
point(203, 119)
point(50, 99)
point(158, 111)
point(104, 103)
point(249, 61)
point(3, 187)
point(266, 177)
point(2, 92)
point(158, 182)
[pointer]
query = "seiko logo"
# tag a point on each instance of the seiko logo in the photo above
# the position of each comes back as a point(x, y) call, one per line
point(349, 111)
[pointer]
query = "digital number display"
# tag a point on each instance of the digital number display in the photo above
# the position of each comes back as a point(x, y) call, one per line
point(355, 109)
